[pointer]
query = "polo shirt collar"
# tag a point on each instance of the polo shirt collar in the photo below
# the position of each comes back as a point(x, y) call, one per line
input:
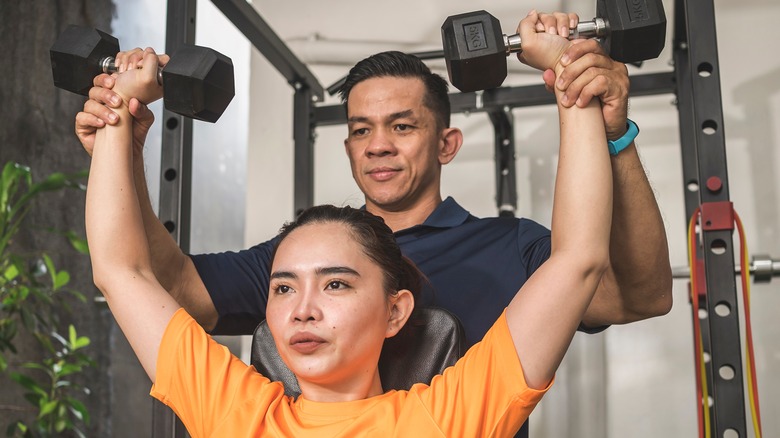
point(448, 214)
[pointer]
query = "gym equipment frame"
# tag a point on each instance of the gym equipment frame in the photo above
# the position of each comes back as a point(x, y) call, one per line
point(695, 81)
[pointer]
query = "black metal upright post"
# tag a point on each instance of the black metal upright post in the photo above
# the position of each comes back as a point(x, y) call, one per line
point(703, 140)
point(691, 184)
point(303, 135)
point(175, 179)
point(506, 182)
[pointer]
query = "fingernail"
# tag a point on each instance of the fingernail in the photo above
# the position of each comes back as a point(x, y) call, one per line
point(564, 99)
point(551, 30)
point(565, 60)
point(115, 100)
point(564, 31)
point(572, 24)
point(559, 83)
point(113, 117)
point(531, 12)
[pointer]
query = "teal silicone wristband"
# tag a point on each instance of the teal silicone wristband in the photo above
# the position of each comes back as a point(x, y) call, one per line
point(615, 146)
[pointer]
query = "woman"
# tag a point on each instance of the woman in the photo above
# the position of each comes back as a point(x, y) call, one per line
point(339, 287)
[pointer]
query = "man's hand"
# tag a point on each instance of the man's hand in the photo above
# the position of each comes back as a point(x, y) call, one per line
point(98, 113)
point(589, 72)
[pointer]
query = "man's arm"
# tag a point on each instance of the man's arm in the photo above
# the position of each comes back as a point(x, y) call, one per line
point(638, 283)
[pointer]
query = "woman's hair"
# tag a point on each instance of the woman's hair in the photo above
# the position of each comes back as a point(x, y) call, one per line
point(402, 65)
point(375, 238)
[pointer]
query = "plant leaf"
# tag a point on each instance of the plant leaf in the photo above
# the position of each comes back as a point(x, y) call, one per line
point(11, 272)
point(47, 408)
point(81, 342)
point(77, 242)
point(61, 279)
point(72, 336)
point(77, 406)
point(28, 383)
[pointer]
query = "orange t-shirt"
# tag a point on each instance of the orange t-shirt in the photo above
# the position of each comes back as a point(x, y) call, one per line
point(216, 395)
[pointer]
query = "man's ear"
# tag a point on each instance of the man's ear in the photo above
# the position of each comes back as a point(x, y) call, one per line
point(449, 144)
point(401, 306)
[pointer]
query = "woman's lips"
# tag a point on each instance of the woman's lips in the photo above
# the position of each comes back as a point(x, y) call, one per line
point(306, 342)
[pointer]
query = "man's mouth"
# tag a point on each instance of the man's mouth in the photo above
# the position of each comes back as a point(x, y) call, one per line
point(382, 173)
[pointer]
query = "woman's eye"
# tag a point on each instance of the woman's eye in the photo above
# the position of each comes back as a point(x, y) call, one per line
point(336, 285)
point(282, 289)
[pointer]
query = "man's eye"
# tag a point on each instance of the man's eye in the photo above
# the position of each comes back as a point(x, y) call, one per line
point(360, 131)
point(403, 127)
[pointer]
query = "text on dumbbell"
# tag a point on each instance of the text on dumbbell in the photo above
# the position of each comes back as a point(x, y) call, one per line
point(637, 10)
point(475, 36)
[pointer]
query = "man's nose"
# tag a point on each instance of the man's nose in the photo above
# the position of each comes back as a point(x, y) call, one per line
point(380, 144)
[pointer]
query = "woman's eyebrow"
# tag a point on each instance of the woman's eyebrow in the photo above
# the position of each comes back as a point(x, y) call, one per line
point(330, 270)
point(283, 274)
point(327, 270)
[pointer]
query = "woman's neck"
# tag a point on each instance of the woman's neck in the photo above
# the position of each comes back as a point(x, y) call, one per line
point(356, 388)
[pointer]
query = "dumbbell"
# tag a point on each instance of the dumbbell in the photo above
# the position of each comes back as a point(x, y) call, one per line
point(475, 49)
point(197, 81)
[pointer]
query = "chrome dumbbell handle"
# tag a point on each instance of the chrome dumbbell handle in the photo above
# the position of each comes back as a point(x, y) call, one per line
point(586, 29)
point(108, 65)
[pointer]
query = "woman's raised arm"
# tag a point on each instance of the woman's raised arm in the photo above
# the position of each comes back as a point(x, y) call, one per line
point(118, 247)
point(547, 310)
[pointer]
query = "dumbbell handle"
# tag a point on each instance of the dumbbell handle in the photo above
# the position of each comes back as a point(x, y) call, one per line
point(108, 65)
point(586, 29)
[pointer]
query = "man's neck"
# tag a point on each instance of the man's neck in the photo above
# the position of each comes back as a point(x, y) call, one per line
point(404, 218)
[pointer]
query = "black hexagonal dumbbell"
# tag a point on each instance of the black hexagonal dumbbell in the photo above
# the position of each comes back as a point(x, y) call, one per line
point(197, 81)
point(475, 48)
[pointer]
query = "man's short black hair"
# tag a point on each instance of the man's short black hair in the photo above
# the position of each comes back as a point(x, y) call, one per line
point(402, 65)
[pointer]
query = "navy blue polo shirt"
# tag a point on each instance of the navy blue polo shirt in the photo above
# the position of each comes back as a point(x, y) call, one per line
point(474, 267)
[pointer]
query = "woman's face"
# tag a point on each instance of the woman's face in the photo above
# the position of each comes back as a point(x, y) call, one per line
point(327, 309)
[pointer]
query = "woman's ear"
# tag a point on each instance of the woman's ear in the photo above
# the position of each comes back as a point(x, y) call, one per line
point(401, 306)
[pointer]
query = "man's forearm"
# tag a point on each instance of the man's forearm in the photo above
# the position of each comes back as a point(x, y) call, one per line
point(173, 269)
point(638, 284)
point(167, 257)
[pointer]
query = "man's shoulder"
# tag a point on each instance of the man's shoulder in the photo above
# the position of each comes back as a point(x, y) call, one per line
point(450, 214)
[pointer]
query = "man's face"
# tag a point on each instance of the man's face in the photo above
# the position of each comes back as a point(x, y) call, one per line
point(393, 144)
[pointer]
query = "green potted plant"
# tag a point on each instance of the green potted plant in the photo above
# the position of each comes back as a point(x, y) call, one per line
point(32, 294)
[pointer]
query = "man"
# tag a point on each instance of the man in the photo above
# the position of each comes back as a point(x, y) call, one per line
point(399, 137)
